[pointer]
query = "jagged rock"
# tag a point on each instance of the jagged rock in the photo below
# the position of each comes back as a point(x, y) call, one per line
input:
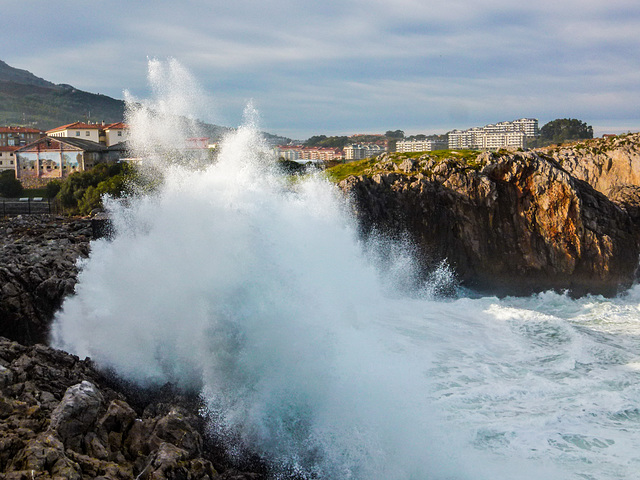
point(602, 163)
point(175, 428)
point(60, 418)
point(45, 453)
point(38, 258)
point(76, 414)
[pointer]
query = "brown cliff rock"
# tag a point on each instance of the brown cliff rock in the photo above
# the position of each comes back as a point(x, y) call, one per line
point(604, 163)
point(513, 223)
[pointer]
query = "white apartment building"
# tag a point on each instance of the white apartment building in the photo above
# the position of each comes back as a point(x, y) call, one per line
point(404, 146)
point(358, 151)
point(85, 131)
point(115, 133)
point(512, 134)
point(105, 134)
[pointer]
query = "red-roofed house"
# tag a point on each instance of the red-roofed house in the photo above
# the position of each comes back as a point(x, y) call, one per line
point(85, 131)
point(105, 134)
point(114, 133)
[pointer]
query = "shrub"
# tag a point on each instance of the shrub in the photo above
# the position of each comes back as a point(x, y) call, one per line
point(10, 186)
point(52, 188)
point(83, 191)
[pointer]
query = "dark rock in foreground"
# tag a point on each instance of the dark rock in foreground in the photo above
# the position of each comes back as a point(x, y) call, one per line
point(60, 418)
point(37, 270)
point(509, 223)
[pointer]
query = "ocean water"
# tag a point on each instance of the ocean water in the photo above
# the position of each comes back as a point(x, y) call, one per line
point(318, 351)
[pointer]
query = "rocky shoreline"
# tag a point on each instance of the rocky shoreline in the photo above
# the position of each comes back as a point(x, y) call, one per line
point(60, 417)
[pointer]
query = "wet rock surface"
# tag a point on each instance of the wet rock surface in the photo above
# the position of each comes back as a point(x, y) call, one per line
point(507, 223)
point(37, 270)
point(60, 418)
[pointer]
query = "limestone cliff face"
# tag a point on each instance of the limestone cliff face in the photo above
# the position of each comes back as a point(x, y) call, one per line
point(509, 224)
point(602, 163)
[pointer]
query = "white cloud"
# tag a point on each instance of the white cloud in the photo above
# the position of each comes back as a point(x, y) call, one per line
point(347, 65)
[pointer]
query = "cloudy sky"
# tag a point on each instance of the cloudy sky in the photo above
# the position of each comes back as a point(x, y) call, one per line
point(350, 66)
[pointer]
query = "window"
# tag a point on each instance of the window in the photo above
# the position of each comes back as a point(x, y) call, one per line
point(78, 133)
point(88, 133)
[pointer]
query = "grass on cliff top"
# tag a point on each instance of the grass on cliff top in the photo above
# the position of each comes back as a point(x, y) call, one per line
point(340, 172)
point(344, 170)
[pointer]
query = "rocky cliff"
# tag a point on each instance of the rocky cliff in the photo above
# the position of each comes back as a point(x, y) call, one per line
point(604, 163)
point(508, 222)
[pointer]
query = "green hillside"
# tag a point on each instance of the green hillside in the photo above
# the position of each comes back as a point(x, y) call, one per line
point(31, 101)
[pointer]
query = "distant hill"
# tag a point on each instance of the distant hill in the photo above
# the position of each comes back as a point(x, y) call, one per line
point(32, 101)
point(16, 75)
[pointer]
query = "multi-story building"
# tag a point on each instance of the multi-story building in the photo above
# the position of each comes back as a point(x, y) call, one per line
point(7, 158)
point(67, 149)
point(298, 153)
point(85, 131)
point(289, 152)
point(404, 146)
point(105, 134)
point(12, 138)
point(115, 133)
point(321, 154)
point(512, 134)
point(51, 157)
point(358, 151)
point(18, 136)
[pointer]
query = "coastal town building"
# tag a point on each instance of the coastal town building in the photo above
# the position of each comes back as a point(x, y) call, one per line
point(12, 138)
point(301, 154)
point(105, 134)
point(404, 146)
point(513, 134)
point(59, 157)
point(51, 157)
point(357, 151)
point(7, 158)
point(115, 133)
point(84, 131)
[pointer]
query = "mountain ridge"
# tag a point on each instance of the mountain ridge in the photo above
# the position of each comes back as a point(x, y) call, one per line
point(30, 101)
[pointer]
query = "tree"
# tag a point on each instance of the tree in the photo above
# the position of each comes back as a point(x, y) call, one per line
point(394, 134)
point(52, 188)
point(324, 141)
point(10, 186)
point(83, 190)
point(564, 129)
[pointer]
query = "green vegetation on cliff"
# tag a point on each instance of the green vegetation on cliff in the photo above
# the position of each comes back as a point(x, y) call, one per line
point(381, 164)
